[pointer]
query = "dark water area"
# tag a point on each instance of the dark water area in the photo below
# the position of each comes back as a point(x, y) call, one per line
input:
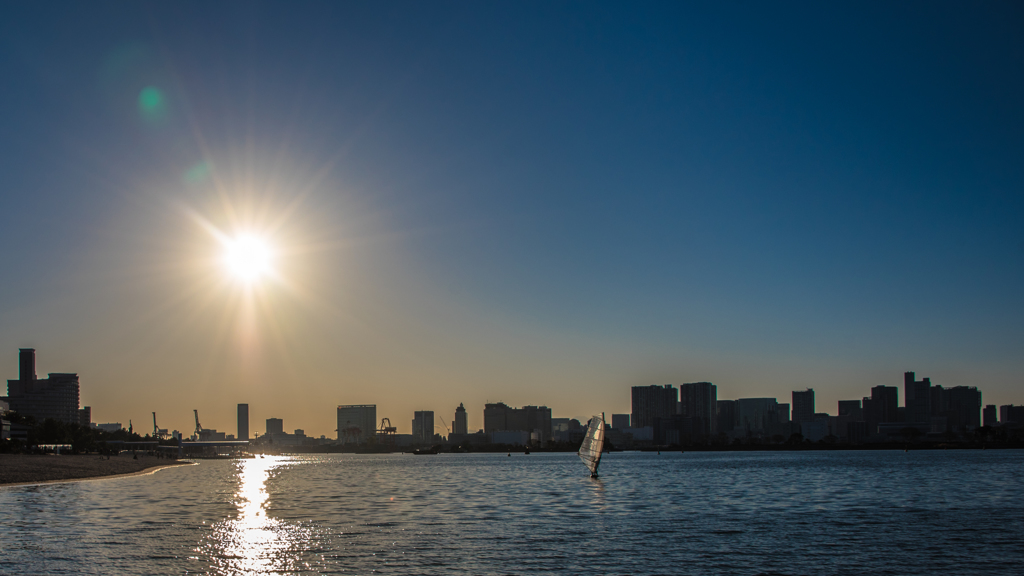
point(886, 512)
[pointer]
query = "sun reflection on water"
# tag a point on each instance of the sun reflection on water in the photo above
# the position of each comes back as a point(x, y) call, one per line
point(254, 542)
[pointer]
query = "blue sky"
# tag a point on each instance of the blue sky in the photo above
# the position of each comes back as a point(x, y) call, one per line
point(515, 201)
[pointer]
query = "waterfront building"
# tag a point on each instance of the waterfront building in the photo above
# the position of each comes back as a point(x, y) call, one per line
point(759, 417)
point(54, 397)
point(652, 402)
point(243, 421)
point(725, 416)
point(109, 426)
point(357, 423)
point(917, 397)
point(460, 426)
point(620, 421)
point(803, 406)
point(1010, 414)
point(423, 427)
point(960, 406)
point(851, 408)
point(989, 415)
point(698, 401)
point(85, 417)
point(499, 417)
point(886, 403)
point(275, 426)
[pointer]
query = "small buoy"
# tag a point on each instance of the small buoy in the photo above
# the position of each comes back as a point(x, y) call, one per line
point(509, 454)
point(659, 452)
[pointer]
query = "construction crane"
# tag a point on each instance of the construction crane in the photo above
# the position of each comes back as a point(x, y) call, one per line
point(445, 426)
point(198, 427)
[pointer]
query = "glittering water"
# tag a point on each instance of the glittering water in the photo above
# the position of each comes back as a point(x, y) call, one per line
point(938, 512)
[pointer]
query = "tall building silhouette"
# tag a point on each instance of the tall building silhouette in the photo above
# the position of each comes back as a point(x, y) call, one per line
point(989, 418)
point(917, 398)
point(357, 423)
point(803, 406)
point(499, 417)
point(423, 426)
point(620, 421)
point(53, 397)
point(698, 402)
point(26, 364)
point(460, 426)
point(243, 422)
point(275, 426)
point(652, 402)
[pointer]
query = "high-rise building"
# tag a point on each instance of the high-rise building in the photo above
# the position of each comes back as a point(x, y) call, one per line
point(757, 416)
point(652, 402)
point(26, 364)
point(917, 398)
point(423, 426)
point(1010, 414)
point(961, 406)
point(499, 417)
point(803, 406)
point(886, 403)
point(989, 417)
point(85, 417)
point(851, 408)
point(726, 415)
point(243, 422)
point(275, 426)
point(53, 397)
point(460, 426)
point(698, 401)
point(357, 423)
point(620, 421)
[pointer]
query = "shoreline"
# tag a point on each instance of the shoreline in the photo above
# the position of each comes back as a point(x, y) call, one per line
point(31, 470)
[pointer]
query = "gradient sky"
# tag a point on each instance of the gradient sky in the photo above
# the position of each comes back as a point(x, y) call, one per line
point(535, 203)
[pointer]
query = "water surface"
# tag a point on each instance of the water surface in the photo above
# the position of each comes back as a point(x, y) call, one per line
point(928, 512)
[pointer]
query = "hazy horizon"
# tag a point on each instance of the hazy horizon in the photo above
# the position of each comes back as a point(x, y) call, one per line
point(539, 204)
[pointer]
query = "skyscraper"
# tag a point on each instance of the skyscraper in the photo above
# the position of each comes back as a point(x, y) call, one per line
point(243, 422)
point(423, 426)
point(499, 417)
point(917, 398)
point(803, 406)
point(698, 401)
point(460, 426)
point(357, 423)
point(53, 397)
point(620, 421)
point(990, 415)
point(651, 402)
point(275, 426)
point(885, 403)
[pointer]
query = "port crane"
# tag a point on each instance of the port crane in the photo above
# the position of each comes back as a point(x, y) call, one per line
point(198, 427)
point(386, 432)
point(157, 432)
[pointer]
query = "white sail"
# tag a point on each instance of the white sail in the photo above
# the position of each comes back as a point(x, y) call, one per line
point(593, 444)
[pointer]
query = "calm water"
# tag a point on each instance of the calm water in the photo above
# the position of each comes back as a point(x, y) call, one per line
point(938, 512)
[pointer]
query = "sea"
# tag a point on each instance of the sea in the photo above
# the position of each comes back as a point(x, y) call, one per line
point(746, 513)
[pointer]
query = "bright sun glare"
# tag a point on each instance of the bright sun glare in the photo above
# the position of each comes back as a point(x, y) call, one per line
point(247, 257)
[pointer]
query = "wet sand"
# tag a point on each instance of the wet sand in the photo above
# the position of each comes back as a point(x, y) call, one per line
point(32, 469)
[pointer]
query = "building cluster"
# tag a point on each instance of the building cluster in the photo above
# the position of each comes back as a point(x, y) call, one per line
point(660, 415)
point(693, 413)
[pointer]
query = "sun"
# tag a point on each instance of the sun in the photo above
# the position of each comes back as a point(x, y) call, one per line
point(247, 257)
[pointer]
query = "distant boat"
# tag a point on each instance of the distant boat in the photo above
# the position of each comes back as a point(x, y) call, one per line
point(593, 445)
point(431, 450)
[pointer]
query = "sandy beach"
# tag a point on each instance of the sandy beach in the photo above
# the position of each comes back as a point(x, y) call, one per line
point(23, 469)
